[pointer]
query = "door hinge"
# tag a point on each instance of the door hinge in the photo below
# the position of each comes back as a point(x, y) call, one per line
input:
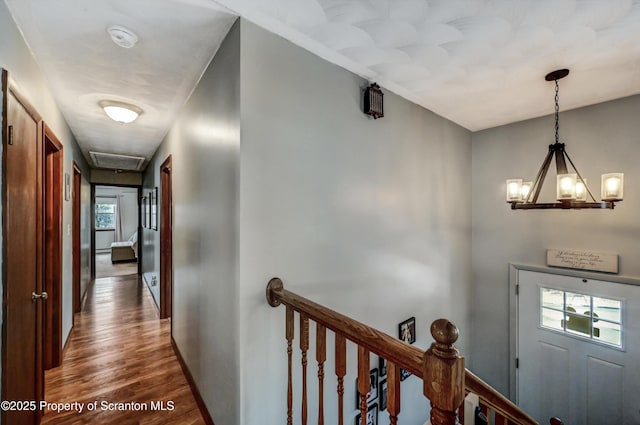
point(10, 135)
point(517, 289)
point(517, 362)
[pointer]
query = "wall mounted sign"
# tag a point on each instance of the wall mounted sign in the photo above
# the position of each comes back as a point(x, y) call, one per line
point(583, 260)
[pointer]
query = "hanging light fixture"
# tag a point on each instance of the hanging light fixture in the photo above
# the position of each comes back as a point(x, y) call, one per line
point(572, 191)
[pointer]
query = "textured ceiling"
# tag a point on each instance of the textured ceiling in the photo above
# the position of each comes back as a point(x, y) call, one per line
point(68, 38)
point(480, 63)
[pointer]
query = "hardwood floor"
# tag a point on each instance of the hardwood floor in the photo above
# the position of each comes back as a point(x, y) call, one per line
point(120, 352)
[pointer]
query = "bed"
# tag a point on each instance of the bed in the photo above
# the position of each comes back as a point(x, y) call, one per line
point(125, 250)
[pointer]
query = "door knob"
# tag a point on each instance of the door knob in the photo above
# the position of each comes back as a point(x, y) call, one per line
point(44, 296)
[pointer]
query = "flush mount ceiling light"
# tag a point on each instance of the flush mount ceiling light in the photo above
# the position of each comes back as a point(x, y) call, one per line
point(119, 111)
point(572, 191)
point(122, 36)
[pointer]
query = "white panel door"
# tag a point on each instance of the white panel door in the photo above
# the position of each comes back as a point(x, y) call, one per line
point(578, 349)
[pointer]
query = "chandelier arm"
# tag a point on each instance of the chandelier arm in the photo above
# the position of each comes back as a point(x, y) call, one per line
point(580, 177)
point(542, 174)
point(561, 164)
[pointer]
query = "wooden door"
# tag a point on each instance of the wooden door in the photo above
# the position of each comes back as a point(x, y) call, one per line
point(22, 373)
point(166, 239)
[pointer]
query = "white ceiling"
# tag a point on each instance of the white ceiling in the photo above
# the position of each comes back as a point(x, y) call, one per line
point(480, 63)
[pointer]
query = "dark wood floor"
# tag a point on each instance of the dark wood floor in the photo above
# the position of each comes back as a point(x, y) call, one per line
point(119, 352)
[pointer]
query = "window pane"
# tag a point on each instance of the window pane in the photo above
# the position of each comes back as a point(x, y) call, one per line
point(552, 298)
point(552, 319)
point(105, 208)
point(579, 303)
point(607, 309)
point(104, 221)
point(607, 332)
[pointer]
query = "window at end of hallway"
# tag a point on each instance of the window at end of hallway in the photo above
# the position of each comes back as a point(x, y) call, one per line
point(105, 216)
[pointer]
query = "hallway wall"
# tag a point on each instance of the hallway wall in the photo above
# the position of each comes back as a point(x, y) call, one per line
point(204, 143)
point(600, 138)
point(16, 57)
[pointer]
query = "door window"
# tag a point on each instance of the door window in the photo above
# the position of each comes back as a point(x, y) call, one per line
point(596, 318)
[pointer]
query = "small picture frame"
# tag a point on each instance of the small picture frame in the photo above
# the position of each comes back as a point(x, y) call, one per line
point(372, 416)
point(67, 187)
point(373, 388)
point(154, 208)
point(383, 395)
point(407, 330)
point(382, 367)
point(144, 212)
point(404, 374)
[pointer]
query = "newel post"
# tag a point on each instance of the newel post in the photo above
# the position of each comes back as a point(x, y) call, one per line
point(443, 374)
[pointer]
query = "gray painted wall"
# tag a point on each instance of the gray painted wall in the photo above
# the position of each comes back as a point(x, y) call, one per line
point(204, 143)
point(17, 59)
point(369, 217)
point(600, 138)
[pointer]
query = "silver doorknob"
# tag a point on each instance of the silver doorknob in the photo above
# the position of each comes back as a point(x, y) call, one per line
point(44, 296)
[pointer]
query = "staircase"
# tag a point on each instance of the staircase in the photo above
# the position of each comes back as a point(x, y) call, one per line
point(446, 381)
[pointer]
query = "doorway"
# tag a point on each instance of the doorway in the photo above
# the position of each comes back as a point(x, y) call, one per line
point(116, 225)
point(166, 239)
point(52, 213)
point(76, 196)
point(23, 297)
point(577, 348)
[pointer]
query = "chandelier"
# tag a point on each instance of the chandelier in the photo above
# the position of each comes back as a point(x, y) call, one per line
point(572, 191)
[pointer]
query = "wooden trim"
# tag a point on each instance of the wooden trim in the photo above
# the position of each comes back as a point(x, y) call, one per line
point(192, 383)
point(166, 238)
point(52, 197)
point(76, 206)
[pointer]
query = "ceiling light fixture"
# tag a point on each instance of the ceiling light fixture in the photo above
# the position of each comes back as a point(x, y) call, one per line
point(119, 111)
point(122, 36)
point(572, 191)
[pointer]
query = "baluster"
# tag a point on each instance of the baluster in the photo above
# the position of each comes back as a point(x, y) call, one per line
point(321, 357)
point(500, 420)
point(341, 371)
point(289, 335)
point(364, 382)
point(304, 346)
point(393, 392)
point(443, 374)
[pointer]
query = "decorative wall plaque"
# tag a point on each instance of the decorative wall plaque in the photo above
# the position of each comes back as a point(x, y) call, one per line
point(583, 260)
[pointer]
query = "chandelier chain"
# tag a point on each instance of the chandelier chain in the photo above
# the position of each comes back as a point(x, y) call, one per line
point(557, 113)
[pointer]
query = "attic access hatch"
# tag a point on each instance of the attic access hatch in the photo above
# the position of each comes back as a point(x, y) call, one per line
point(117, 162)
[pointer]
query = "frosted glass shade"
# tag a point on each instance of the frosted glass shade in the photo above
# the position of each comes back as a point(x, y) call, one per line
point(525, 190)
point(120, 112)
point(514, 190)
point(566, 187)
point(612, 186)
point(581, 190)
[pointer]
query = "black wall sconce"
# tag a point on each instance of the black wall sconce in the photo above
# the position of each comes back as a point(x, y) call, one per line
point(373, 101)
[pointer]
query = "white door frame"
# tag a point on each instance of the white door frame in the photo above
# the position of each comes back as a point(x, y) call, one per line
point(514, 268)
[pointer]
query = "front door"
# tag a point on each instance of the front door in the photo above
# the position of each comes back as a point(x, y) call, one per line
point(578, 349)
point(22, 376)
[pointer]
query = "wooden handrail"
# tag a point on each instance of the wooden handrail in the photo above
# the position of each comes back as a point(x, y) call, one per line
point(407, 356)
point(394, 350)
point(496, 401)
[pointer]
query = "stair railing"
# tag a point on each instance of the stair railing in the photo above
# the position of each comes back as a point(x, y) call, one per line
point(441, 367)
